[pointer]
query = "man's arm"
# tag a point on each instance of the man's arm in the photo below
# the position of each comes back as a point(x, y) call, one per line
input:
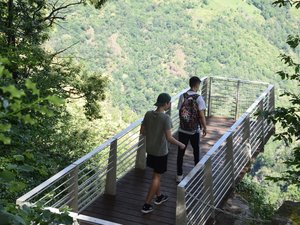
point(203, 122)
point(172, 140)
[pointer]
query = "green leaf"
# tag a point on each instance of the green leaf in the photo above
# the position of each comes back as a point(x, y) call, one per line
point(25, 168)
point(32, 86)
point(16, 105)
point(28, 119)
point(18, 158)
point(14, 92)
point(16, 186)
point(5, 127)
point(4, 218)
point(28, 154)
point(55, 100)
point(44, 110)
point(4, 139)
point(11, 166)
point(7, 176)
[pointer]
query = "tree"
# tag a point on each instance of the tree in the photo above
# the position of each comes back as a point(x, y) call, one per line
point(24, 27)
point(281, 3)
point(21, 105)
point(289, 117)
point(32, 83)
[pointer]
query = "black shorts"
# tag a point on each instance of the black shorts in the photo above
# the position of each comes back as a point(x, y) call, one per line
point(157, 163)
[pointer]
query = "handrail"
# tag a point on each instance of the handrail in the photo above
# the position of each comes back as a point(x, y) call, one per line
point(74, 183)
point(241, 80)
point(97, 172)
point(83, 218)
point(223, 162)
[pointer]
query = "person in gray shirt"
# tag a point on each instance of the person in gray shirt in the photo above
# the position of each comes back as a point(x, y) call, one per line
point(157, 126)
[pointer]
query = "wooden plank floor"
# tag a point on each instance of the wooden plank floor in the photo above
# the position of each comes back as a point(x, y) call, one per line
point(124, 208)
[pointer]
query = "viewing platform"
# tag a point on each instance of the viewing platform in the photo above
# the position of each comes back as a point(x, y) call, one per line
point(108, 186)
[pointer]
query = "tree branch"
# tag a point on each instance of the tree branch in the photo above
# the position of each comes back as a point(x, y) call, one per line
point(53, 15)
point(63, 50)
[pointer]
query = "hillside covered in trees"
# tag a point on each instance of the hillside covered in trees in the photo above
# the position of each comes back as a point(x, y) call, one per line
point(93, 71)
point(137, 42)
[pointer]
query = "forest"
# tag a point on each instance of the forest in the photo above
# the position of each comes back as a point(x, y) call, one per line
point(73, 78)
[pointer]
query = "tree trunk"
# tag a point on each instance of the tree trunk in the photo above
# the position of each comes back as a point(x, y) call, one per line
point(11, 39)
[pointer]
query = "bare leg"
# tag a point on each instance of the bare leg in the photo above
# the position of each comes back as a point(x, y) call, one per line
point(154, 188)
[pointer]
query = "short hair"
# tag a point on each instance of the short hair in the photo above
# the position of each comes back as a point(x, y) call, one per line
point(194, 81)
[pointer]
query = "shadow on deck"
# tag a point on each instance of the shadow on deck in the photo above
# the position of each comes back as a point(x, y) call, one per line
point(124, 208)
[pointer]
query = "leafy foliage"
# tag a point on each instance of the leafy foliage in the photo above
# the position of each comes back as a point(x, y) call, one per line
point(281, 3)
point(34, 215)
point(289, 117)
point(34, 121)
point(257, 198)
point(24, 27)
point(21, 106)
point(39, 127)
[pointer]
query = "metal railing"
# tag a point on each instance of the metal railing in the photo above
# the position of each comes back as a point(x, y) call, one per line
point(205, 186)
point(96, 173)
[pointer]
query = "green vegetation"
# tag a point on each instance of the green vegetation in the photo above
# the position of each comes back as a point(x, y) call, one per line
point(135, 43)
point(257, 198)
point(35, 125)
point(108, 65)
point(22, 106)
point(289, 117)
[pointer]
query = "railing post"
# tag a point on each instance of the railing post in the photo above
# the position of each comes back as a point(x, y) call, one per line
point(111, 176)
point(230, 159)
point(247, 136)
point(74, 189)
point(140, 162)
point(204, 90)
point(271, 108)
point(237, 100)
point(261, 116)
point(208, 184)
point(181, 216)
point(209, 110)
point(272, 99)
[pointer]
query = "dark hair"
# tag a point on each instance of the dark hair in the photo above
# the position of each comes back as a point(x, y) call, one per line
point(194, 81)
point(162, 99)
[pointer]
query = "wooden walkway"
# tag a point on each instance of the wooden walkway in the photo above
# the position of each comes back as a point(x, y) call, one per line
point(125, 207)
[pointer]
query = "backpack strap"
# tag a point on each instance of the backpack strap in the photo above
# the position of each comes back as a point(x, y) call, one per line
point(195, 96)
point(185, 95)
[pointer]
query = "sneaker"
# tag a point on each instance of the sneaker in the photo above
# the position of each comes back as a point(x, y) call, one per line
point(161, 199)
point(147, 208)
point(179, 178)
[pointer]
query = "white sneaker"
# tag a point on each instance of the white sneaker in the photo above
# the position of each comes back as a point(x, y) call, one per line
point(179, 178)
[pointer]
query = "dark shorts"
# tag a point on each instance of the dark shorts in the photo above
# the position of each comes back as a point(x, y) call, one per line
point(157, 163)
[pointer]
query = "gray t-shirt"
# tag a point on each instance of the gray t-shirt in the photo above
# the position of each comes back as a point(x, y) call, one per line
point(156, 124)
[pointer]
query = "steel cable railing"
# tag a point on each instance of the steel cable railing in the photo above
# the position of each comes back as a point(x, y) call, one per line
point(81, 183)
point(224, 162)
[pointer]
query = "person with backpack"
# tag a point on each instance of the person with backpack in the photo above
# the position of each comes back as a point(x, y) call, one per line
point(191, 108)
point(157, 126)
